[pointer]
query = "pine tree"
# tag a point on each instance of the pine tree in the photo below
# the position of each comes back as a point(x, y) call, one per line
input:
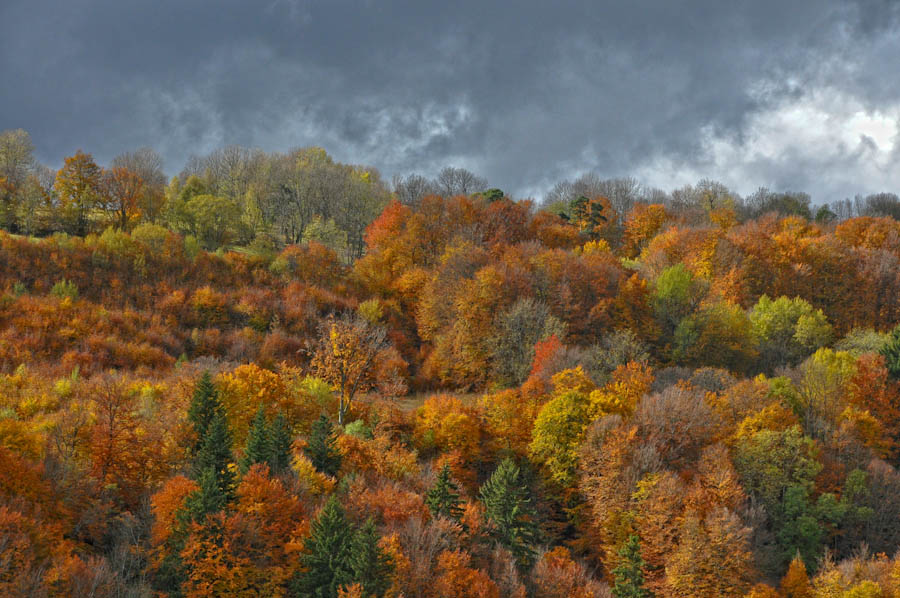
point(629, 575)
point(280, 455)
point(371, 567)
point(509, 512)
point(891, 353)
point(321, 449)
point(171, 574)
point(326, 564)
point(214, 457)
point(210, 498)
point(443, 498)
point(259, 442)
point(205, 404)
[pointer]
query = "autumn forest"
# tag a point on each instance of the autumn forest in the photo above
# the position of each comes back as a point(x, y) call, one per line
point(282, 375)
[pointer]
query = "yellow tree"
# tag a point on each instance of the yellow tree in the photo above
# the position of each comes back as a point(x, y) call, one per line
point(78, 186)
point(345, 356)
point(713, 558)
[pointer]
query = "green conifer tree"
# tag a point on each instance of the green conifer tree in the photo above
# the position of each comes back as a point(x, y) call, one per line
point(259, 442)
point(371, 567)
point(326, 563)
point(321, 449)
point(205, 404)
point(443, 498)
point(629, 575)
point(210, 498)
point(170, 575)
point(280, 434)
point(509, 512)
point(891, 353)
point(214, 457)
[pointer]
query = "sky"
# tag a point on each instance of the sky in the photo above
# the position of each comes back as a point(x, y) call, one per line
point(792, 95)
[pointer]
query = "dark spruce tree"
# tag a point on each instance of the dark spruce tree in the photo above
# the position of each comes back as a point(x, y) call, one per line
point(629, 575)
point(213, 459)
point(259, 442)
point(321, 449)
point(510, 515)
point(371, 567)
point(210, 498)
point(327, 562)
point(171, 575)
point(205, 404)
point(280, 434)
point(443, 498)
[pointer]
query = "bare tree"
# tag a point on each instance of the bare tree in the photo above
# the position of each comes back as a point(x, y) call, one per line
point(412, 188)
point(16, 156)
point(148, 166)
point(459, 181)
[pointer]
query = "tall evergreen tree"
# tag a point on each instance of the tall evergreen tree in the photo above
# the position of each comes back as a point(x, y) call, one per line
point(205, 404)
point(629, 575)
point(891, 353)
point(171, 574)
point(214, 457)
point(509, 512)
point(443, 498)
point(327, 563)
point(371, 567)
point(210, 498)
point(321, 449)
point(280, 455)
point(259, 442)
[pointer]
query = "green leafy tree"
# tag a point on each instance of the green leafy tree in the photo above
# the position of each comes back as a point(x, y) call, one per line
point(558, 432)
point(676, 295)
point(443, 498)
point(214, 221)
point(327, 560)
point(629, 575)
point(372, 567)
point(788, 330)
point(259, 441)
point(508, 510)
point(718, 335)
point(321, 449)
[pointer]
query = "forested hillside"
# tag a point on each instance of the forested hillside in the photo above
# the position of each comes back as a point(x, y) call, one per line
point(276, 375)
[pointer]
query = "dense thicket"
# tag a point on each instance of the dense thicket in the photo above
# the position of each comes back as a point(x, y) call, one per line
point(625, 392)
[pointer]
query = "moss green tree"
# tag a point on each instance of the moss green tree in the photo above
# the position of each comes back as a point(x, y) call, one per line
point(205, 405)
point(321, 448)
point(280, 434)
point(326, 563)
point(371, 566)
point(443, 497)
point(508, 509)
point(629, 574)
point(259, 441)
point(891, 353)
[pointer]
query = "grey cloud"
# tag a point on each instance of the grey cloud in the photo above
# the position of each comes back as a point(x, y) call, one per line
point(524, 93)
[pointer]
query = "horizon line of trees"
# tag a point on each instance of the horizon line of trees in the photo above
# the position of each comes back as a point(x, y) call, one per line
point(237, 196)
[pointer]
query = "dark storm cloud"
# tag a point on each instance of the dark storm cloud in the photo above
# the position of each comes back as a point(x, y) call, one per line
point(524, 93)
